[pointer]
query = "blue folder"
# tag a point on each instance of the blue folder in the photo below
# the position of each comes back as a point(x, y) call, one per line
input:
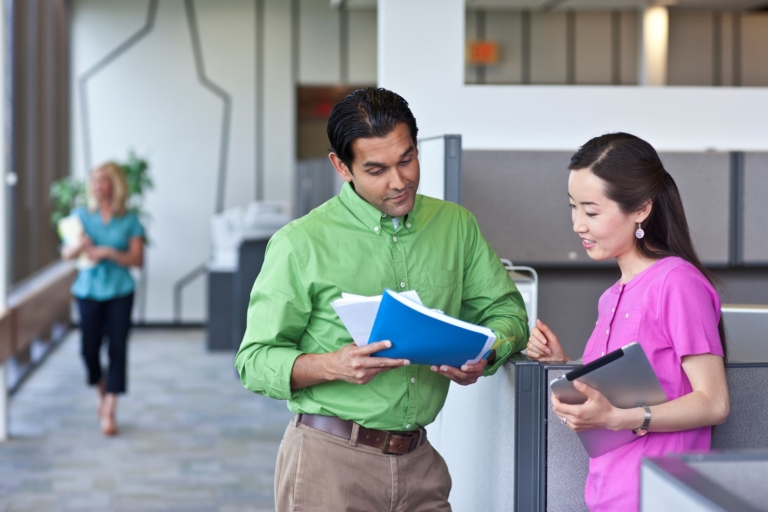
point(425, 337)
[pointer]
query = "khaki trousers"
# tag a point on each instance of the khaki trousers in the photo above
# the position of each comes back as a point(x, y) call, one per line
point(320, 472)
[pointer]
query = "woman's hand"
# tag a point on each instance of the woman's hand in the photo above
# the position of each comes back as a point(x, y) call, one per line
point(85, 243)
point(73, 251)
point(596, 412)
point(543, 345)
point(100, 253)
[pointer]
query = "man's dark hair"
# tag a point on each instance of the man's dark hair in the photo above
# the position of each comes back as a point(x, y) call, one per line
point(364, 114)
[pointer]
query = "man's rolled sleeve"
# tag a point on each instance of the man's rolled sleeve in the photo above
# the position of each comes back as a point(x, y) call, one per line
point(491, 298)
point(278, 313)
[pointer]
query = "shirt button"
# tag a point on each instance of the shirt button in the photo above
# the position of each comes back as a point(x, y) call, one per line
point(413, 381)
point(607, 331)
point(408, 426)
point(408, 225)
point(394, 239)
point(626, 316)
point(613, 310)
point(402, 284)
point(603, 353)
point(383, 214)
point(376, 229)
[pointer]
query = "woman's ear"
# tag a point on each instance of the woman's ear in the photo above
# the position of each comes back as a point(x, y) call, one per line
point(644, 211)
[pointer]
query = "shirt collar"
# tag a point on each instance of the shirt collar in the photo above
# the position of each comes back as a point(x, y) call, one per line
point(371, 217)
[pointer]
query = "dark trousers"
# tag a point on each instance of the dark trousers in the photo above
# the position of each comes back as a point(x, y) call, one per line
point(110, 318)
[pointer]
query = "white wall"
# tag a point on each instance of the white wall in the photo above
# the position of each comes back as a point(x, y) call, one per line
point(150, 99)
point(421, 48)
point(279, 124)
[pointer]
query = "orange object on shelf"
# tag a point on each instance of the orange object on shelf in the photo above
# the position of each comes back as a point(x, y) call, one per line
point(482, 52)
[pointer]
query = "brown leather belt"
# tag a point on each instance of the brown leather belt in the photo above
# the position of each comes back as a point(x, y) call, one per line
point(394, 443)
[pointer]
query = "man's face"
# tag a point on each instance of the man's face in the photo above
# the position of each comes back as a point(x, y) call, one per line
point(385, 171)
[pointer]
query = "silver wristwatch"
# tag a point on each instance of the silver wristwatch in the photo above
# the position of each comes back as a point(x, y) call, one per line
point(646, 422)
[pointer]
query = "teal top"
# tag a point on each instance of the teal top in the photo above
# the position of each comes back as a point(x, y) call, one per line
point(107, 280)
point(347, 245)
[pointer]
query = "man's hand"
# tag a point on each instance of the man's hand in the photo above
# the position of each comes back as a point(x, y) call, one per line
point(354, 364)
point(350, 363)
point(467, 374)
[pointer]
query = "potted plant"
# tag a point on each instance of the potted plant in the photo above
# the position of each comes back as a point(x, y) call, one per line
point(69, 193)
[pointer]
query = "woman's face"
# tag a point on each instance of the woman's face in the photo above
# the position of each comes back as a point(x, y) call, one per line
point(102, 186)
point(605, 231)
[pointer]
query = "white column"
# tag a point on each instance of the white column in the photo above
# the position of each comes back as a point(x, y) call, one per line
point(654, 46)
point(4, 239)
point(421, 49)
point(279, 114)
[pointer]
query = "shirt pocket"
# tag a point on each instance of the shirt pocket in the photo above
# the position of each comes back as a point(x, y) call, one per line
point(436, 289)
point(625, 328)
point(438, 279)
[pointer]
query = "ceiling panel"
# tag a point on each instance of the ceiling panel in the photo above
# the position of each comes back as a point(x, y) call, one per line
point(614, 4)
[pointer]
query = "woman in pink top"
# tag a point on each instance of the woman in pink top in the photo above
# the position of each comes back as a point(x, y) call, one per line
point(624, 205)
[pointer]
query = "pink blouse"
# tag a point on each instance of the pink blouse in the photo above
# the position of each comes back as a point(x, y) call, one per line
point(672, 311)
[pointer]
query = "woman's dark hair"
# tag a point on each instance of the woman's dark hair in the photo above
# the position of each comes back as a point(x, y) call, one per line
point(364, 114)
point(633, 176)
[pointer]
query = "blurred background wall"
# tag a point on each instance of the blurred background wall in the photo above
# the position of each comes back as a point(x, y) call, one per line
point(228, 101)
point(207, 91)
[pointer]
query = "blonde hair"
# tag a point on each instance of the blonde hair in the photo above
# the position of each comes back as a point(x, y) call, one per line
point(119, 188)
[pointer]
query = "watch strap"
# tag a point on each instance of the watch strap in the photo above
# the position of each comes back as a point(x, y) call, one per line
point(646, 422)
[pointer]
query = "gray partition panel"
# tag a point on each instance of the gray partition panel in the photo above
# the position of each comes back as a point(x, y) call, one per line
point(520, 199)
point(704, 183)
point(745, 328)
point(250, 259)
point(747, 425)
point(732, 481)
point(221, 297)
point(557, 463)
point(567, 462)
point(453, 168)
point(316, 182)
point(531, 392)
point(756, 208)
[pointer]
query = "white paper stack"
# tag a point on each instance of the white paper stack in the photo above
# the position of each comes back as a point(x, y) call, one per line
point(358, 313)
point(71, 232)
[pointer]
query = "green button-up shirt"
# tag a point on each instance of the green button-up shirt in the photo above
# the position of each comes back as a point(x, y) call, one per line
point(347, 245)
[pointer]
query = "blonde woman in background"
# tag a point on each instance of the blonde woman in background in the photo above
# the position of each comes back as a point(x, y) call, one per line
point(113, 241)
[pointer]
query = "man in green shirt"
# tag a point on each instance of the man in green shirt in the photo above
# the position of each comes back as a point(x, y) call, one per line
point(358, 441)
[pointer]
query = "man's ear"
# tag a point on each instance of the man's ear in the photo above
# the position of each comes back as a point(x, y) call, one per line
point(340, 167)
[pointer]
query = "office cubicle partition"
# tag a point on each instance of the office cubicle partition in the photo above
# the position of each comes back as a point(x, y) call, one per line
point(440, 161)
point(745, 328)
point(550, 463)
point(712, 482)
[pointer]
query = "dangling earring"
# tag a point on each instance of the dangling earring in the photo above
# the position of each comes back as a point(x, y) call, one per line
point(639, 233)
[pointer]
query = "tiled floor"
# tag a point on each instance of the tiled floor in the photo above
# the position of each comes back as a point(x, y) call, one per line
point(191, 438)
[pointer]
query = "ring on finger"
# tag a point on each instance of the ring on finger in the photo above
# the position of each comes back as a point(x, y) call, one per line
point(564, 421)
